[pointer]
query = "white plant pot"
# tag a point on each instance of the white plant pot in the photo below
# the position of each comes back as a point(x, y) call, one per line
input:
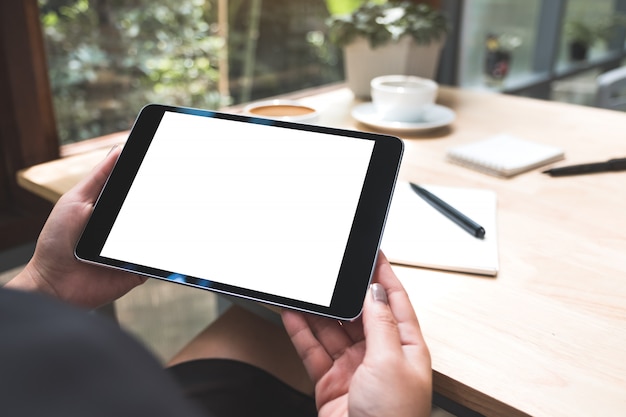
point(405, 57)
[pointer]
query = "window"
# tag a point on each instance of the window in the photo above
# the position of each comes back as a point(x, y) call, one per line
point(513, 27)
point(108, 58)
point(529, 52)
point(594, 16)
point(27, 128)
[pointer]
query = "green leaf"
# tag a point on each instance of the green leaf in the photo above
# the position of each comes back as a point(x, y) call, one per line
point(383, 22)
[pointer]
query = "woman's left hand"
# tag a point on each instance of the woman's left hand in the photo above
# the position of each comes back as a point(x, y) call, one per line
point(53, 268)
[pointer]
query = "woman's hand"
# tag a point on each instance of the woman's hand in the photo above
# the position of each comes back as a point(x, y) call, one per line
point(53, 268)
point(378, 365)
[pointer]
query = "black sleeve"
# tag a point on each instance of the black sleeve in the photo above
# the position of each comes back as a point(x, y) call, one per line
point(56, 360)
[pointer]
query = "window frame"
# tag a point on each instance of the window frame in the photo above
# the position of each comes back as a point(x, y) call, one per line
point(28, 133)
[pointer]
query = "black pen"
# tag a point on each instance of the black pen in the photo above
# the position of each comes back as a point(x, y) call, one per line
point(610, 165)
point(450, 212)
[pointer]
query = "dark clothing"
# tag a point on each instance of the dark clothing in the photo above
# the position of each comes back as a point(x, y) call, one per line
point(229, 388)
point(56, 360)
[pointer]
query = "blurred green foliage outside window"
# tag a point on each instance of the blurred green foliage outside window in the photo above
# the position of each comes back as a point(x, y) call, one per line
point(109, 58)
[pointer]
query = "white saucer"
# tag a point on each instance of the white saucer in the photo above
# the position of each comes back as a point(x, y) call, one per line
point(437, 116)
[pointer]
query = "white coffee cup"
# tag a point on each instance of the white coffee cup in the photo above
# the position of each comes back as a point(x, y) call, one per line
point(403, 98)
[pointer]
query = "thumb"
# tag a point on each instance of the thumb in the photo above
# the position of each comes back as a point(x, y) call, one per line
point(379, 324)
point(89, 188)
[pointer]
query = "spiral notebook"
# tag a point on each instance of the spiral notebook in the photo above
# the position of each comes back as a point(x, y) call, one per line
point(418, 235)
point(504, 155)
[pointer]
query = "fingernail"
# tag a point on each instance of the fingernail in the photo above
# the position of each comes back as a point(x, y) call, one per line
point(113, 148)
point(379, 293)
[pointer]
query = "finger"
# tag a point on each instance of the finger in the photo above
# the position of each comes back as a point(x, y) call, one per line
point(389, 316)
point(89, 188)
point(314, 356)
point(332, 335)
point(354, 329)
point(382, 336)
point(400, 304)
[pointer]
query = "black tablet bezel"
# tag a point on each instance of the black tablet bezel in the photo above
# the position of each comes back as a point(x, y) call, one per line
point(364, 239)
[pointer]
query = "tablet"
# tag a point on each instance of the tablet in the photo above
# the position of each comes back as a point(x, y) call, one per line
point(282, 213)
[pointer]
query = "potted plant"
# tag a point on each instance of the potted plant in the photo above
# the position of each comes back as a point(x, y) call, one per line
point(582, 34)
point(389, 37)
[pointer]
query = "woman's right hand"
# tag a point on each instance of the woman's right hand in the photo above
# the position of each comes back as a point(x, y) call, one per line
point(378, 365)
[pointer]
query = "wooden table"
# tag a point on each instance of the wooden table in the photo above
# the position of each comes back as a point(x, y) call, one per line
point(547, 337)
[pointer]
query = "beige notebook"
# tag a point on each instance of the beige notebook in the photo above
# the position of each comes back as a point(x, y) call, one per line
point(416, 234)
point(504, 155)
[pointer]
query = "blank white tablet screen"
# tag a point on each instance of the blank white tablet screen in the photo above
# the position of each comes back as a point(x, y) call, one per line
point(250, 205)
